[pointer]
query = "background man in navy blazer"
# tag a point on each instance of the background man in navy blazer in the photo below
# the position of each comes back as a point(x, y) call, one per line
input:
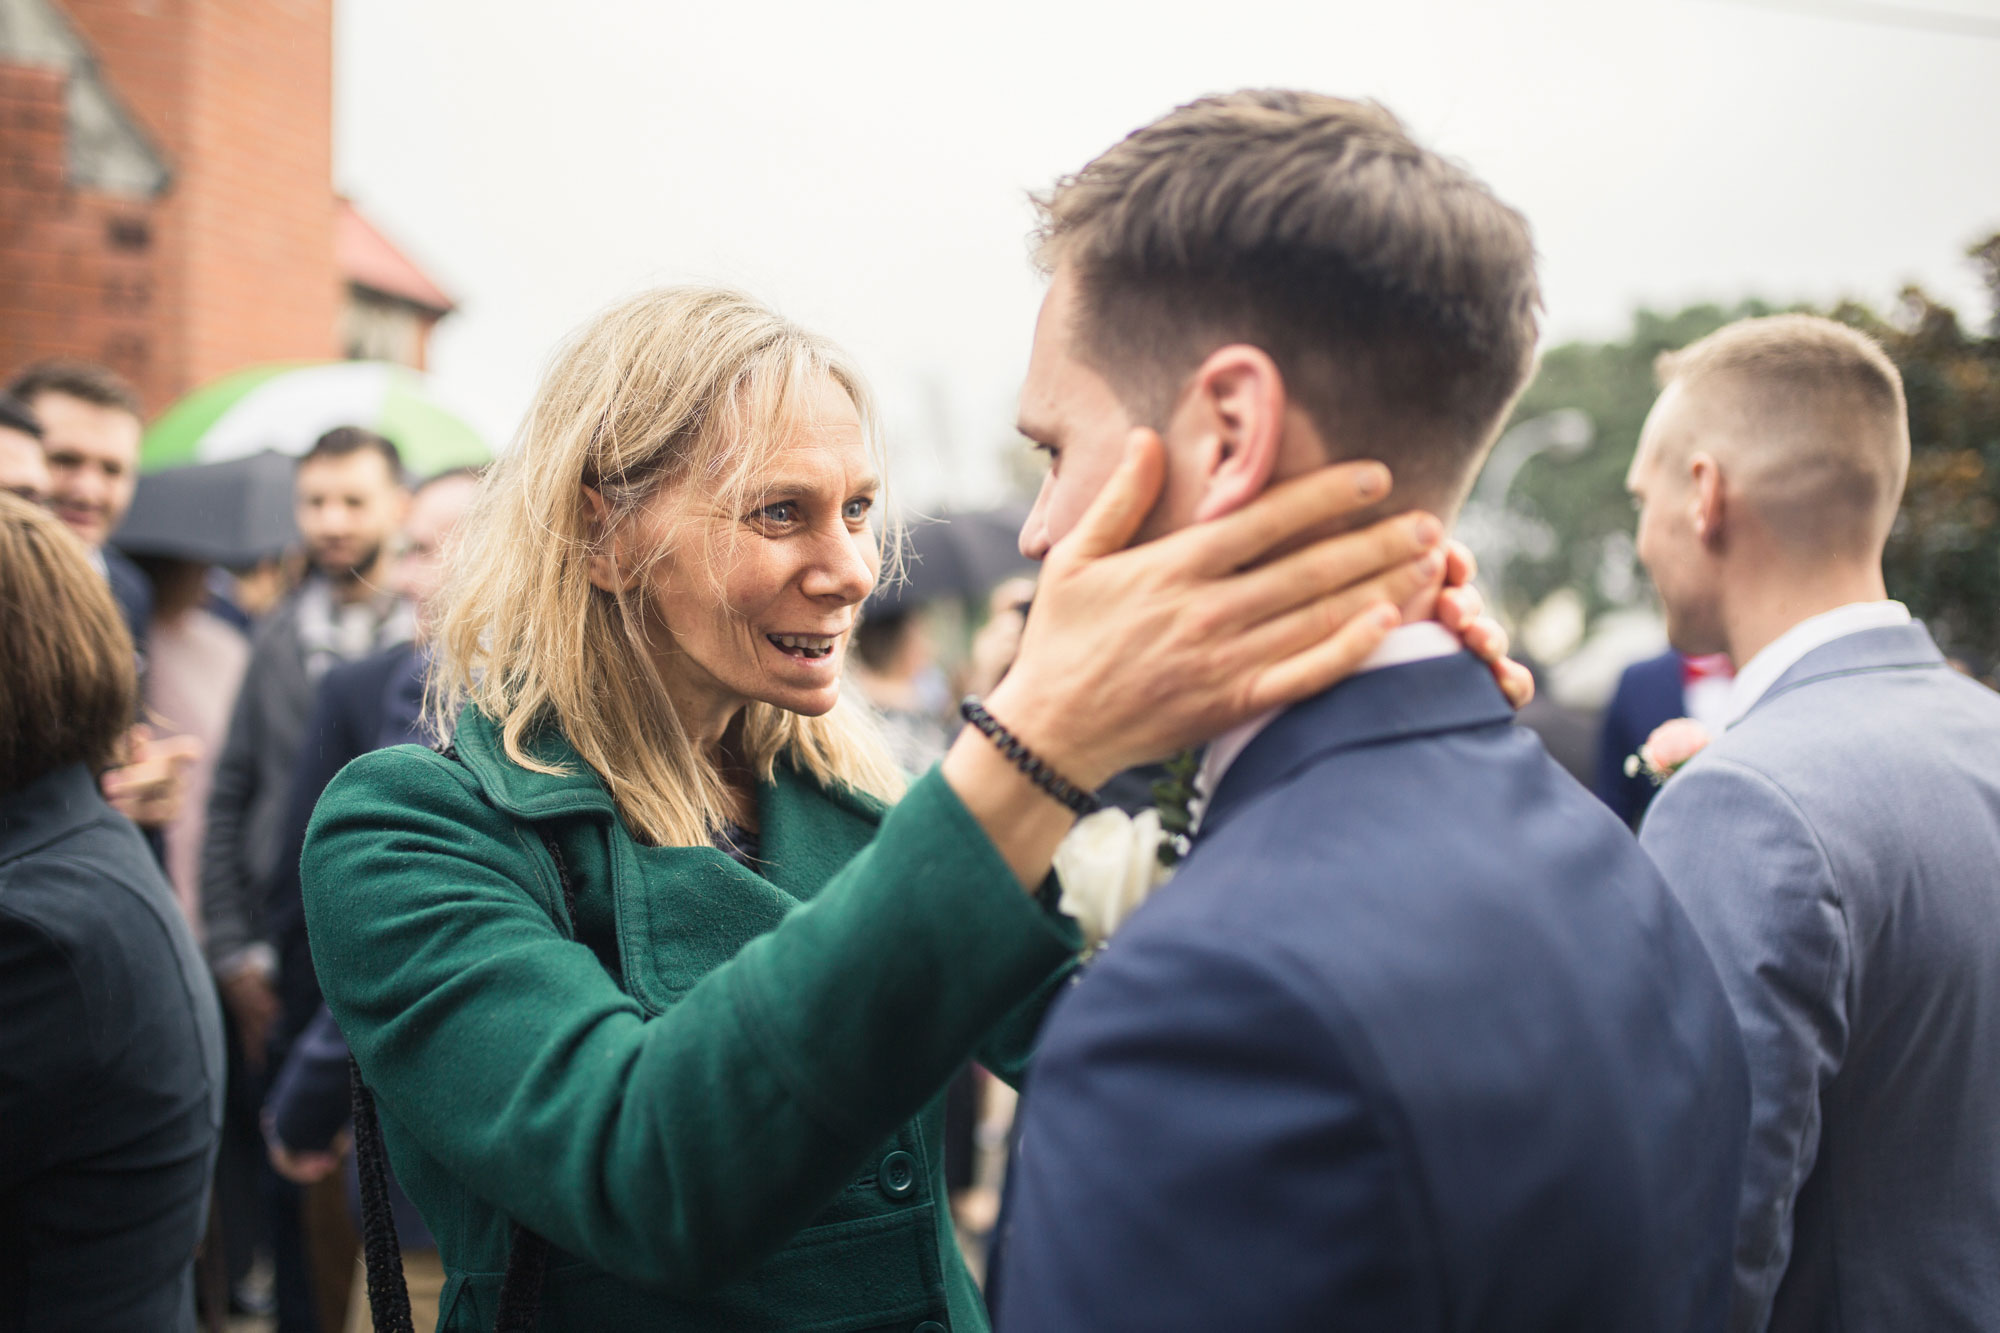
point(91, 429)
point(1417, 1038)
point(1839, 846)
point(1656, 690)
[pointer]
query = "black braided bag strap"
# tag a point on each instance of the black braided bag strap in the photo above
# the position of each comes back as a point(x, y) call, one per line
point(382, 1254)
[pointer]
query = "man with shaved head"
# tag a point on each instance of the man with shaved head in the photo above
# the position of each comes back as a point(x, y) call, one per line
point(1838, 847)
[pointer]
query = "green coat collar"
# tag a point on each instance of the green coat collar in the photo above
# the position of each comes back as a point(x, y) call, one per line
point(578, 790)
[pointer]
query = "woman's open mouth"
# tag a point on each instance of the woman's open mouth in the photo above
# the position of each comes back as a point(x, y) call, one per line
point(804, 647)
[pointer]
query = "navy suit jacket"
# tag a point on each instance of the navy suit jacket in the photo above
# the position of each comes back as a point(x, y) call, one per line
point(1649, 693)
point(134, 594)
point(361, 706)
point(1416, 1040)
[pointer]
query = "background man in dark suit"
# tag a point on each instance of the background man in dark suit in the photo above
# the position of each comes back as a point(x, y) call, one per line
point(91, 430)
point(349, 498)
point(1656, 690)
point(23, 470)
point(1839, 846)
point(1417, 1038)
point(361, 706)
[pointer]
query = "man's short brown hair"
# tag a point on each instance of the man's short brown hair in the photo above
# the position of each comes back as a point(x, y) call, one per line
point(86, 381)
point(68, 684)
point(1395, 293)
point(342, 441)
point(1812, 417)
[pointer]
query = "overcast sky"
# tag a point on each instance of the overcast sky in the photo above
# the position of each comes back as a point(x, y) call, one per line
point(864, 166)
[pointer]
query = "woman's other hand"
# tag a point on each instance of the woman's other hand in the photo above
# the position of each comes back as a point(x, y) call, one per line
point(1130, 654)
point(1462, 610)
point(999, 639)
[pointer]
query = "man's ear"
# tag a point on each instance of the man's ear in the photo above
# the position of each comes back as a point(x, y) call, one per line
point(604, 563)
point(1235, 405)
point(1706, 502)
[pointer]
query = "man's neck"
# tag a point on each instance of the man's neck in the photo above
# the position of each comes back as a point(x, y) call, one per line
point(1759, 612)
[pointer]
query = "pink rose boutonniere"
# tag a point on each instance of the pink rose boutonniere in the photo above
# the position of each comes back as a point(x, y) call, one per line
point(1668, 749)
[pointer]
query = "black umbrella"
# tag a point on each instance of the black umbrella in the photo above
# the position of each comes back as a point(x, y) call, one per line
point(235, 513)
point(956, 555)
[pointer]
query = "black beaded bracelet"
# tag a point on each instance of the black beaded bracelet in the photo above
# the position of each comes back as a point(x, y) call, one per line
point(1060, 789)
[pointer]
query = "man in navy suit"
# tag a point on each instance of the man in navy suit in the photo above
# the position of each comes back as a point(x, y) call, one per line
point(1656, 690)
point(1417, 1039)
point(1838, 846)
point(91, 426)
point(364, 705)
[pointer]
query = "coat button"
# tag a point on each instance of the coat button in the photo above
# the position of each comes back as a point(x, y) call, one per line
point(898, 1177)
point(929, 1326)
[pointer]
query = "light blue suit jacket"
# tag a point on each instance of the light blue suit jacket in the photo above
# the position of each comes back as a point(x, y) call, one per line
point(1839, 851)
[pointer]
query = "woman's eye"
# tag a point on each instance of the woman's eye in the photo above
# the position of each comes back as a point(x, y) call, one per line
point(782, 512)
point(858, 510)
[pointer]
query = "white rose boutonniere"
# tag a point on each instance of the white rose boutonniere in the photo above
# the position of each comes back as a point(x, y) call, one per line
point(1108, 865)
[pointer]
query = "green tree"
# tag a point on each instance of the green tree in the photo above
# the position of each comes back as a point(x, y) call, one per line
point(1944, 555)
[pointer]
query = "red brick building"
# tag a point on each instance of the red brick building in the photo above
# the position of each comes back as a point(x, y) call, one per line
point(166, 190)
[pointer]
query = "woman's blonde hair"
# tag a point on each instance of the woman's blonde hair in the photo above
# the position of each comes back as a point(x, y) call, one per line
point(679, 383)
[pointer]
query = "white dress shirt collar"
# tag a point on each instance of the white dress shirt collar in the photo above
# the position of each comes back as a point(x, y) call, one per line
point(1415, 642)
point(1761, 672)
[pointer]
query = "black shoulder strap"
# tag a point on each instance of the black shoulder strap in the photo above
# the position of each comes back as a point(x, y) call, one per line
point(527, 1253)
point(382, 1255)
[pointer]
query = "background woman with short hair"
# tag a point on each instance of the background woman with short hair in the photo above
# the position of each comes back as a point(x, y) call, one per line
point(110, 1034)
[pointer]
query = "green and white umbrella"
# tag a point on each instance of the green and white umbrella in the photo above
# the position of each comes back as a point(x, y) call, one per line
point(284, 407)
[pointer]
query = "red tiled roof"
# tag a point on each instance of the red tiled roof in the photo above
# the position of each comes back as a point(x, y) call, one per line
point(368, 259)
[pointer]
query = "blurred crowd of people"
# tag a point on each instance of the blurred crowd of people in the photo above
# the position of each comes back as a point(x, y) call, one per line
point(253, 686)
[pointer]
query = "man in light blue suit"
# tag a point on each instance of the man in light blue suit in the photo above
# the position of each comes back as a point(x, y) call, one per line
point(1838, 846)
point(1417, 1039)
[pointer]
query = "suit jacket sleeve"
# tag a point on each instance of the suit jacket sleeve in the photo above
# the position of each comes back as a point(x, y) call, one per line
point(1750, 871)
point(1198, 1153)
point(310, 1099)
point(229, 909)
point(673, 1149)
point(331, 740)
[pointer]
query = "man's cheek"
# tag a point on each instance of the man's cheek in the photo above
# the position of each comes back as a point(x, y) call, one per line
point(1068, 510)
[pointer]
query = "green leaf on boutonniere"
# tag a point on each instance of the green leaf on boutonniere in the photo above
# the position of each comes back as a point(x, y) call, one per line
point(1174, 799)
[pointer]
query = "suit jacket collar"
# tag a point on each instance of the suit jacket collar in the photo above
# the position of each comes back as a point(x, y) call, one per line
point(48, 809)
point(1426, 698)
point(1889, 648)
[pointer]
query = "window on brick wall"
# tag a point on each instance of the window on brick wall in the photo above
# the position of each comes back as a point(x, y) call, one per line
point(107, 149)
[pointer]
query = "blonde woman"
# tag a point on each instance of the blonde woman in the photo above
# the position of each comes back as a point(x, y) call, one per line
point(658, 970)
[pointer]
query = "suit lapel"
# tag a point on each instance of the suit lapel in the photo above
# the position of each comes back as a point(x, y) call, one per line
point(1888, 648)
point(1396, 703)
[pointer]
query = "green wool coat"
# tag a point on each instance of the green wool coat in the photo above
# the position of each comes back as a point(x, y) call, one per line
point(717, 1094)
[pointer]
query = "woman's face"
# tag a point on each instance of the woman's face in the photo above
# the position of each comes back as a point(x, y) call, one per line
point(758, 601)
